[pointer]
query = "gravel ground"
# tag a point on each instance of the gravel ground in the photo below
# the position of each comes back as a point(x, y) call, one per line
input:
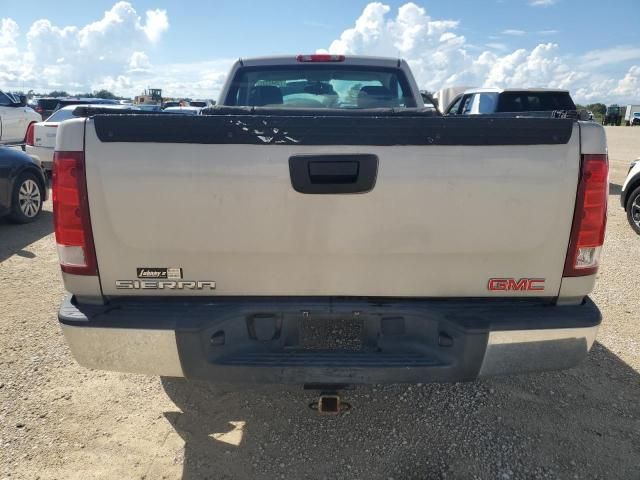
point(61, 421)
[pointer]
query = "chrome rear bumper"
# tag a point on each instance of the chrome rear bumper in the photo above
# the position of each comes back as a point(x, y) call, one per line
point(135, 350)
point(411, 341)
point(519, 351)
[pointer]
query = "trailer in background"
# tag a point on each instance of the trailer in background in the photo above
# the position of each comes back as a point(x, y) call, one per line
point(632, 115)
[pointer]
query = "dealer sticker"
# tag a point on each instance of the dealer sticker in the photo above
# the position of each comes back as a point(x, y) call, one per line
point(160, 273)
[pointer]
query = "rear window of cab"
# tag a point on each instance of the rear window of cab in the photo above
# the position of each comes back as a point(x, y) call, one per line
point(320, 86)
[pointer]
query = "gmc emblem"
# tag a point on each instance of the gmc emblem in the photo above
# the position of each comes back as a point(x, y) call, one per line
point(511, 284)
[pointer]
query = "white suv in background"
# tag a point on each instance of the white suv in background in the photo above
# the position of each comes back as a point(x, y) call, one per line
point(509, 100)
point(15, 118)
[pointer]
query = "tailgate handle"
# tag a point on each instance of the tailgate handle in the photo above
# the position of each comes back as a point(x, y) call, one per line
point(322, 174)
point(333, 172)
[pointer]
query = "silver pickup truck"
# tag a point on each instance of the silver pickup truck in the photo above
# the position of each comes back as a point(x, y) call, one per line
point(322, 226)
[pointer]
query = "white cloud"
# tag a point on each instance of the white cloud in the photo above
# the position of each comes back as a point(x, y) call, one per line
point(519, 33)
point(198, 79)
point(629, 86)
point(157, 23)
point(114, 52)
point(139, 62)
point(10, 58)
point(9, 31)
point(81, 58)
point(114, 84)
point(608, 56)
point(440, 57)
point(514, 32)
point(542, 3)
point(496, 46)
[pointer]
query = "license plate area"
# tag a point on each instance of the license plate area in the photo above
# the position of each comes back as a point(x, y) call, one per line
point(330, 332)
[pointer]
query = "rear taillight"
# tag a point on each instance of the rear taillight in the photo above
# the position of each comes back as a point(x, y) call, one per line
point(320, 57)
point(71, 218)
point(589, 218)
point(28, 138)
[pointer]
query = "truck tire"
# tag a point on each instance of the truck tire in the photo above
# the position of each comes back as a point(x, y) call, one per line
point(633, 210)
point(27, 198)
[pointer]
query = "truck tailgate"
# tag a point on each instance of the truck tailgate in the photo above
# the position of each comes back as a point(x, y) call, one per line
point(442, 219)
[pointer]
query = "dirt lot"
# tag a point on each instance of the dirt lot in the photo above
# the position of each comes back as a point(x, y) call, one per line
point(58, 420)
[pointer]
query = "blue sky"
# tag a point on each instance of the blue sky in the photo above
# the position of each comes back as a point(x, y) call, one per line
point(209, 33)
point(204, 29)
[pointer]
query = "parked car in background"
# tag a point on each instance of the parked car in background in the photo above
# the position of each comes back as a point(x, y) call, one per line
point(148, 107)
point(22, 186)
point(41, 138)
point(201, 103)
point(170, 104)
point(64, 102)
point(183, 110)
point(496, 100)
point(46, 106)
point(630, 195)
point(15, 118)
point(632, 115)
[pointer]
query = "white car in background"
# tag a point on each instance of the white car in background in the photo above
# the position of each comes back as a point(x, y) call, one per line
point(41, 137)
point(15, 119)
point(630, 195)
point(477, 101)
point(201, 103)
point(183, 110)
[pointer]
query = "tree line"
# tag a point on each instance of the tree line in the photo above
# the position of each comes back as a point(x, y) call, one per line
point(104, 94)
point(598, 109)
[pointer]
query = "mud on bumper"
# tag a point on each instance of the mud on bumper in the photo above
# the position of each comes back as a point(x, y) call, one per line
point(275, 340)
